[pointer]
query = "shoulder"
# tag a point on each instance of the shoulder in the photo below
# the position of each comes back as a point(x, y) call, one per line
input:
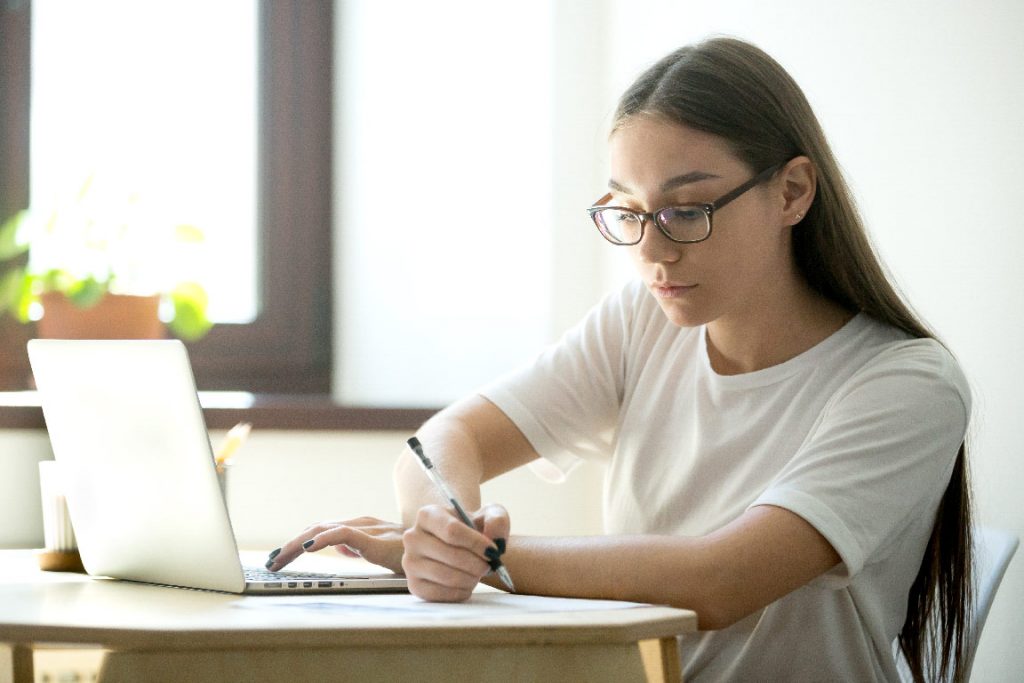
point(898, 367)
point(925, 358)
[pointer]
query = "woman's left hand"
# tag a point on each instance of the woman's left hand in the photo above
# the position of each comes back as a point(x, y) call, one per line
point(373, 539)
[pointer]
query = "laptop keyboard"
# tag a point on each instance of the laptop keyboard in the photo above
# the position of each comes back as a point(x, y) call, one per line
point(262, 575)
point(259, 580)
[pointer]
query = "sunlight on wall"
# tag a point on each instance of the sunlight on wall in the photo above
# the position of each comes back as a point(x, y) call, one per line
point(443, 195)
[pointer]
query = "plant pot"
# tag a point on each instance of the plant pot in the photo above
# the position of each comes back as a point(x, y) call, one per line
point(116, 316)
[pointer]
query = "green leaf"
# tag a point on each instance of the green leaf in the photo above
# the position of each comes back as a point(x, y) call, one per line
point(10, 289)
point(87, 292)
point(54, 280)
point(26, 297)
point(190, 321)
point(9, 244)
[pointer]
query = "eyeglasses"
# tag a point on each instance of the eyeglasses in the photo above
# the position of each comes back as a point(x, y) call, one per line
point(686, 223)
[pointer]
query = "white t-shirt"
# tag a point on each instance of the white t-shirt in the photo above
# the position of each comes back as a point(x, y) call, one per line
point(857, 435)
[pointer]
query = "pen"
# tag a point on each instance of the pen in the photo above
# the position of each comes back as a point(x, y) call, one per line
point(428, 466)
point(236, 436)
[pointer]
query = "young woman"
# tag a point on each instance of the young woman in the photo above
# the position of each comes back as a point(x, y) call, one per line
point(783, 438)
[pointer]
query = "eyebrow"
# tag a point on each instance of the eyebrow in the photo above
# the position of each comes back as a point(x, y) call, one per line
point(670, 184)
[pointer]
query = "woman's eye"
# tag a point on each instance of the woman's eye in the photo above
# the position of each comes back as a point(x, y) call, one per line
point(686, 213)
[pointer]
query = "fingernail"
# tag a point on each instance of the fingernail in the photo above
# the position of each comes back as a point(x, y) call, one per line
point(500, 542)
point(269, 564)
point(307, 544)
point(274, 553)
point(493, 558)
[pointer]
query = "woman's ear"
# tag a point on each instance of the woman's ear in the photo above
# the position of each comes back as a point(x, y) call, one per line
point(799, 183)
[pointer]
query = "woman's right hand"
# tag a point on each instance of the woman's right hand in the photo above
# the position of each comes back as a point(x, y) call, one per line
point(444, 559)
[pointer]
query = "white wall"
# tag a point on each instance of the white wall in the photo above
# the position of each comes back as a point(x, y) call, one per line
point(21, 517)
point(467, 154)
point(284, 481)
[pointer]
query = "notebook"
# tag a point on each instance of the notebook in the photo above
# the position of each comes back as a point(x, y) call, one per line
point(127, 429)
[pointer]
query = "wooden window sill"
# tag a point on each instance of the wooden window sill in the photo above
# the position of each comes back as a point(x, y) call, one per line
point(20, 410)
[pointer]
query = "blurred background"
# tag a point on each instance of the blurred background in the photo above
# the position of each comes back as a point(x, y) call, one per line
point(399, 188)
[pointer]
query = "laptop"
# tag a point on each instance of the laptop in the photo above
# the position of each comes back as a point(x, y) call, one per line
point(127, 428)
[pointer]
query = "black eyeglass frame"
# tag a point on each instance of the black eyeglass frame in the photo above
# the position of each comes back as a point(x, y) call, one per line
point(708, 209)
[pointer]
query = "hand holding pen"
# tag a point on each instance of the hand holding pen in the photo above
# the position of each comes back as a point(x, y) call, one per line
point(494, 553)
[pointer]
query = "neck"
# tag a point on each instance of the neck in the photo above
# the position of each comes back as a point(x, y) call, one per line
point(779, 328)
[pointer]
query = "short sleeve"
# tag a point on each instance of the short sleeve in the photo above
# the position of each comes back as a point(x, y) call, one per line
point(566, 402)
point(880, 455)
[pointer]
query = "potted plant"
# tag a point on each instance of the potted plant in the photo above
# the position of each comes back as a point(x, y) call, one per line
point(102, 256)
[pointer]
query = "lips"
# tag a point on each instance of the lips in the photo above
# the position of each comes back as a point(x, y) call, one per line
point(671, 290)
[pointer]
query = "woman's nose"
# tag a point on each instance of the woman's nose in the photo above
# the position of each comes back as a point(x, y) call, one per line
point(655, 247)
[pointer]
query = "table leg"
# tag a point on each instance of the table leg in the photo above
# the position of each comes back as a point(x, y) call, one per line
point(661, 660)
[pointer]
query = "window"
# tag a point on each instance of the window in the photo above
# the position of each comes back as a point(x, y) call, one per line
point(135, 115)
point(15, 48)
point(286, 348)
point(468, 145)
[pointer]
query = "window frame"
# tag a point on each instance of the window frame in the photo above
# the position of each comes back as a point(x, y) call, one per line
point(15, 55)
point(288, 348)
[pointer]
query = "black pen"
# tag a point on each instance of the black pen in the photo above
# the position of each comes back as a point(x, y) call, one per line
point(428, 466)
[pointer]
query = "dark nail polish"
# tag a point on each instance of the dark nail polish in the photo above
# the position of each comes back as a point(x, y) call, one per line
point(500, 542)
point(493, 558)
point(269, 564)
point(307, 544)
point(274, 553)
point(494, 562)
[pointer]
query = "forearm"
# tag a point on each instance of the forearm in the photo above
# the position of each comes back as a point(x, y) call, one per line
point(469, 443)
point(724, 576)
point(659, 570)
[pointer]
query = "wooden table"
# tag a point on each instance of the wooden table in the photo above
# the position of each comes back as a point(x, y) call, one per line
point(162, 634)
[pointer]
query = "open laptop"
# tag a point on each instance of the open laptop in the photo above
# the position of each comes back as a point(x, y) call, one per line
point(127, 429)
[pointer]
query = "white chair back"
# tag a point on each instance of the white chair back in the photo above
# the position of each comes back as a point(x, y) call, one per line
point(993, 550)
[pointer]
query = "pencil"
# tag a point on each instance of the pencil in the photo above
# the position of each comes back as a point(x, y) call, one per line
point(236, 436)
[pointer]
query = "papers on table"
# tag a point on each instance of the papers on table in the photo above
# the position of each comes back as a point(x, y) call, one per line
point(481, 605)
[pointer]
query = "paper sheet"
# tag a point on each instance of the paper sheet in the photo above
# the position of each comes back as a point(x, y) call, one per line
point(484, 604)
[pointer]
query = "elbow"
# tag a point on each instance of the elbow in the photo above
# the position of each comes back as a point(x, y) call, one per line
point(404, 472)
point(720, 607)
point(402, 466)
point(719, 617)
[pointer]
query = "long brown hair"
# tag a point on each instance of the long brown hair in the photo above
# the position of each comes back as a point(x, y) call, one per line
point(734, 90)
